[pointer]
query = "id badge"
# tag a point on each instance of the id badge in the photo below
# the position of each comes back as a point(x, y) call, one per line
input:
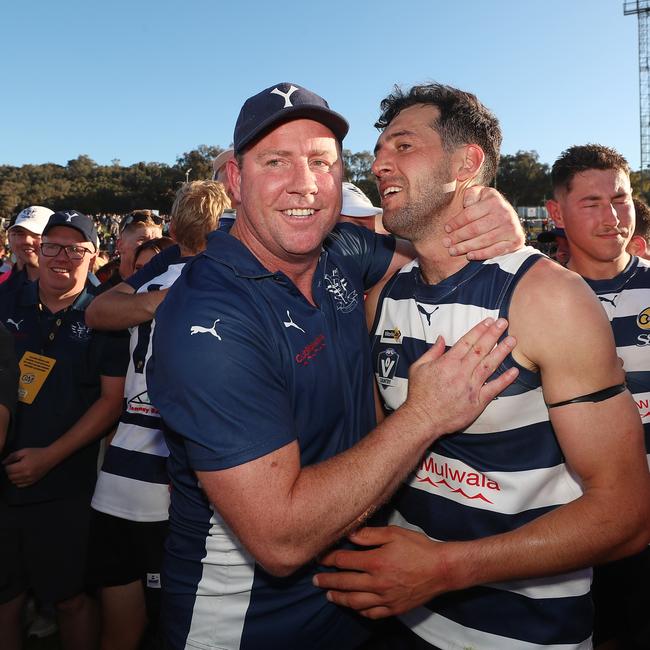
point(34, 370)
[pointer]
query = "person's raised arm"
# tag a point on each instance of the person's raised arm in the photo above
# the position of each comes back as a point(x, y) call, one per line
point(565, 333)
point(488, 226)
point(303, 510)
point(120, 307)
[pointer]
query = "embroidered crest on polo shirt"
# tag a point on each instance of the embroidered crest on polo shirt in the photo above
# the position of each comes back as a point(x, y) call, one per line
point(199, 329)
point(80, 331)
point(337, 285)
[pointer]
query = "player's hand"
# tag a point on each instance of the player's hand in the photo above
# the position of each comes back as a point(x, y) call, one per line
point(402, 571)
point(487, 226)
point(27, 466)
point(449, 390)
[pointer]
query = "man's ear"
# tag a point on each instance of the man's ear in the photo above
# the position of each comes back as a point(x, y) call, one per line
point(470, 162)
point(234, 178)
point(172, 230)
point(637, 246)
point(555, 212)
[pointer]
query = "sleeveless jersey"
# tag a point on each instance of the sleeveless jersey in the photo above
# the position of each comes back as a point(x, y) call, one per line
point(626, 300)
point(503, 471)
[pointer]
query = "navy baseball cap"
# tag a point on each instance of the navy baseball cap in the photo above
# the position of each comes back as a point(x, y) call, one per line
point(548, 236)
point(76, 220)
point(282, 103)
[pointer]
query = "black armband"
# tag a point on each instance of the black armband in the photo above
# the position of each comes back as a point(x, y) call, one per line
point(598, 396)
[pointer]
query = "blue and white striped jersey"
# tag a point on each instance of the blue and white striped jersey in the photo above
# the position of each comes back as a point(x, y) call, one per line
point(626, 300)
point(133, 482)
point(503, 471)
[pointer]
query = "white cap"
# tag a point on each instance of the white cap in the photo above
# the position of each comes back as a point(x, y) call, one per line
point(34, 218)
point(221, 160)
point(356, 203)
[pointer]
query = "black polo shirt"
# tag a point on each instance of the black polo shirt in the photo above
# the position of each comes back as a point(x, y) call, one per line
point(82, 356)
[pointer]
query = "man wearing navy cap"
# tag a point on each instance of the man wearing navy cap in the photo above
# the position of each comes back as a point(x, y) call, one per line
point(271, 399)
point(70, 394)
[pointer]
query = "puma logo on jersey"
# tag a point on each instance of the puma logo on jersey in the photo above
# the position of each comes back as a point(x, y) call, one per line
point(14, 323)
point(290, 323)
point(426, 313)
point(199, 329)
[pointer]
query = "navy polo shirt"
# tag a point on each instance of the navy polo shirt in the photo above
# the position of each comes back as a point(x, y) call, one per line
point(73, 385)
point(242, 365)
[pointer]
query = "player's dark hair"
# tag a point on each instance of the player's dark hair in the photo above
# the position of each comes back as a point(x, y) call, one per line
point(463, 120)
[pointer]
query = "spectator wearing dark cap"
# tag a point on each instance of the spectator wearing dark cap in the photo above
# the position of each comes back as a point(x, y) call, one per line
point(560, 251)
point(72, 380)
point(639, 244)
point(24, 239)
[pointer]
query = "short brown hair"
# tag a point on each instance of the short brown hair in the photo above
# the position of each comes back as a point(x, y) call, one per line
point(196, 211)
point(582, 158)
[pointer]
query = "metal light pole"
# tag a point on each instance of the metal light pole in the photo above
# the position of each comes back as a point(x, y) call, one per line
point(642, 9)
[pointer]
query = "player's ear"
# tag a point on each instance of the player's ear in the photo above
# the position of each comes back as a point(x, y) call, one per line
point(637, 246)
point(234, 178)
point(555, 212)
point(471, 158)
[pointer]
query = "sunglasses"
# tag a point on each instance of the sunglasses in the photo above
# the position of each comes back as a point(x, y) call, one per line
point(141, 218)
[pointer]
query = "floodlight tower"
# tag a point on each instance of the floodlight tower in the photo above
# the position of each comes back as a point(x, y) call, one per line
point(642, 9)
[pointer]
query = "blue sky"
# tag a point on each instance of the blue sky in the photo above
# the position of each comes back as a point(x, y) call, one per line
point(139, 80)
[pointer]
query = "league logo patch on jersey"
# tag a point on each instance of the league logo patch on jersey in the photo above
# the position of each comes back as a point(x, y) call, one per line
point(337, 285)
point(391, 336)
point(643, 319)
point(386, 366)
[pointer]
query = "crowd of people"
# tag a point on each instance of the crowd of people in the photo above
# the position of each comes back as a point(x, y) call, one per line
point(288, 418)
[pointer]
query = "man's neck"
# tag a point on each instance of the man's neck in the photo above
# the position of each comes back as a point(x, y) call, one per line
point(593, 269)
point(300, 270)
point(434, 259)
point(55, 301)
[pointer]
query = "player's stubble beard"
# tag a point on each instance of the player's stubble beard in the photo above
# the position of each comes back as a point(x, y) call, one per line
point(419, 217)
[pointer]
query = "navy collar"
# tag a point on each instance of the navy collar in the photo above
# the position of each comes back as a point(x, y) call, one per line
point(226, 249)
point(29, 297)
point(618, 282)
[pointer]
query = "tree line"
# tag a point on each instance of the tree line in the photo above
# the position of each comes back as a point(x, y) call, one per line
point(84, 185)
